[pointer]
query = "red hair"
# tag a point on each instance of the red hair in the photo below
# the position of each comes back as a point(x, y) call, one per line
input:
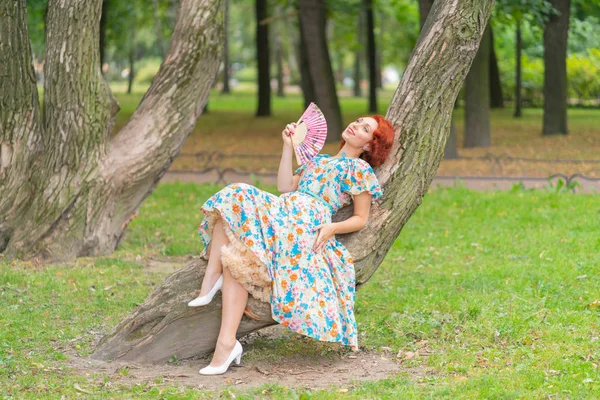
point(381, 145)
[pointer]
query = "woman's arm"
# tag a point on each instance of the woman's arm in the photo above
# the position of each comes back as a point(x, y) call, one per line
point(285, 179)
point(362, 207)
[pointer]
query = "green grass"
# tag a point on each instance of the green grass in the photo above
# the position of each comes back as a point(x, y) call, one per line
point(499, 287)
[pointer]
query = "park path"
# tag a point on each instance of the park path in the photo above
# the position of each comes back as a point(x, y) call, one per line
point(470, 182)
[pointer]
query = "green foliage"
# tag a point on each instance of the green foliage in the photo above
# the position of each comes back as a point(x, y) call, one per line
point(562, 186)
point(146, 70)
point(583, 72)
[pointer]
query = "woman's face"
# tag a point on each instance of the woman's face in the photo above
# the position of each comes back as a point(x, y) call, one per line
point(360, 132)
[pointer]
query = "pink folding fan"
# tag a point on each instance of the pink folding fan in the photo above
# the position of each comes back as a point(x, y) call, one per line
point(309, 136)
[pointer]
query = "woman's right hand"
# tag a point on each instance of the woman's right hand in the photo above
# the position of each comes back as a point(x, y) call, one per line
point(287, 134)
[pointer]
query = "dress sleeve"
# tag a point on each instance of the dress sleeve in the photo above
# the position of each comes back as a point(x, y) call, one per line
point(360, 177)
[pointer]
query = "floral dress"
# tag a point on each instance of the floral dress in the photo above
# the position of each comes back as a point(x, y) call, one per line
point(271, 239)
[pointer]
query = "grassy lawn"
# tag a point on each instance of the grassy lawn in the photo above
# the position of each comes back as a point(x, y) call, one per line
point(496, 294)
point(231, 127)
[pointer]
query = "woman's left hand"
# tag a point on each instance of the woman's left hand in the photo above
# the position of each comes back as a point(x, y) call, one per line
point(325, 233)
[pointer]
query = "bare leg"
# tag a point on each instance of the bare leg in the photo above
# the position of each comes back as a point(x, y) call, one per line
point(235, 297)
point(214, 266)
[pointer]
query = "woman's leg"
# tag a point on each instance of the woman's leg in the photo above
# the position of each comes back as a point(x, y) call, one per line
point(235, 297)
point(214, 266)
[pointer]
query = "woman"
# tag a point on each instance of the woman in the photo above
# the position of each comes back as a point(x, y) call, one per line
point(282, 249)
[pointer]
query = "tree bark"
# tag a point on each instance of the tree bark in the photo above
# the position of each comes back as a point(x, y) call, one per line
point(477, 98)
point(518, 112)
point(20, 119)
point(71, 188)
point(555, 70)
point(450, 150)
point(496, 96)
point(368, 4)
point(420, 112)
point(262, 57)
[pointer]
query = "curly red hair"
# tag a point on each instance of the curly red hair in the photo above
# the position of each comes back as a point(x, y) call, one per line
point(381, 145)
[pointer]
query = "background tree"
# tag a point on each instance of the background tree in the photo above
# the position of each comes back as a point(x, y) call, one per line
point(319, 73)
point(371, 55)
point(555, 69)
point(477, 97)
point(519, 13)
point(226, 65)
point(263, 59)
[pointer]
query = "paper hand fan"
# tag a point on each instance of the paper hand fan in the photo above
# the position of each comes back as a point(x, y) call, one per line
point(309, 135)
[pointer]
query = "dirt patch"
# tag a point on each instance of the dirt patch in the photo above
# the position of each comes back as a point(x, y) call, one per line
point(300, 371)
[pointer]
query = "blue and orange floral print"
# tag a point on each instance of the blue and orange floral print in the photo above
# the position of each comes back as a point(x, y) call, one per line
point(311, 292)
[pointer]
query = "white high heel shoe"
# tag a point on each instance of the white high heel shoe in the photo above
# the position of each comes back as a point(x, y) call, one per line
point(236, 354)
point(207, 298)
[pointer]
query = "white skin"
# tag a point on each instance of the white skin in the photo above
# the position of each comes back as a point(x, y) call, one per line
point(357, 136)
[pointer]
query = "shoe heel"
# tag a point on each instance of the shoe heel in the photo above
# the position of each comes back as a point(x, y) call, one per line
point(238, 359)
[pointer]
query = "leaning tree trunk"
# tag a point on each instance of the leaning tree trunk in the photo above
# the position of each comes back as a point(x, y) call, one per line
point(450, 150)
point(477, 98)
point(312, 19)
point(555, 70)
point(420, 112)
point(68, 188)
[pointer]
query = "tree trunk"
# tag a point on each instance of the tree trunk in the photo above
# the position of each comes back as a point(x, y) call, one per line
point(20, 119)
point(293, 45)
point(163, 326)
point(262, 57)
point(496, 96)
point(158, 29)
point(477, 98)
point(312, 19)
point(359, 53)
point(371, 57)
point(450, 145)
point(378, 53)
point(518, 112)
point(226, 88)
point(69, 189)
point(131, 75)
point(555, 70)
point(279, 54)
point(306, 81)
